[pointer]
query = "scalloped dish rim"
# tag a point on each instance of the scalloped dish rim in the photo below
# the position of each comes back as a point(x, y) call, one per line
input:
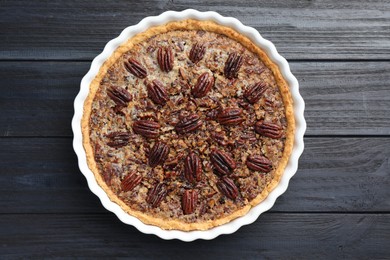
point(254, 212)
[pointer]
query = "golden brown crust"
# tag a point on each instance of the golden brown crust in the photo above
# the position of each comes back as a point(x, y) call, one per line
point(190, 25)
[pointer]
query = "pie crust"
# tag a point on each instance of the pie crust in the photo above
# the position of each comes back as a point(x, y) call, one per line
point(208, 26)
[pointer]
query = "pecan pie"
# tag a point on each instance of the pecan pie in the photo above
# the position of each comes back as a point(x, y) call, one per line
point(188, 125)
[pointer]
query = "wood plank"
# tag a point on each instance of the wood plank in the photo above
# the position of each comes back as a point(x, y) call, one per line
point(40, 175)
point(342, 98)
point(272, 236)
point(300, 29)
point(36, 98)
point(345, 98)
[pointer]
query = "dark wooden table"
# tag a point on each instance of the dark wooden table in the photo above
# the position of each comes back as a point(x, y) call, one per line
point(338, 203)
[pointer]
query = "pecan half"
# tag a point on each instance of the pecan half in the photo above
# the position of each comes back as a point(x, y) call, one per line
point(254, 93)
point(223, 162)
point(165, 58)
point(136, 68)
point(259, 163)
point(230, 116)
point(158, 154)
point(197, 52)
point(227, 187)
point(268, 129)
point(188, 124)
point(119, 95)
point(192, 167)
point(203, 85)
point(130, 181)
point(156, 195)
point(146, 128)
point(118, 139)
point(188, 201)
point(233, 65)
point(157, 92)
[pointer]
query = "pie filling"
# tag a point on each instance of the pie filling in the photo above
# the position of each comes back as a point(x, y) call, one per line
point(187, 125)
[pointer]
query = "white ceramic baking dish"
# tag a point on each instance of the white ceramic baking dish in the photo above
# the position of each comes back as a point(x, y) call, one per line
point(255, 212)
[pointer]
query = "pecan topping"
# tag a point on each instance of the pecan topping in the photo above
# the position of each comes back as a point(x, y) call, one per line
point(223, 162)
point(158, 154)
point(230, 116)
point(227, 187)
point(203, 85)
point(98, 153)
point(188, 124)
point(192, 167)
point(233, 65)
point(111, 170)
point(165, 58)
point(188, 201)
point(136, 68)
point(118, 139)
point(146, 128)
point(130, 181)
point(211, 115)
point(259, 163)
point(242, 103)
point(197, 52)
point(268, 129)
point(157, 92)
point(156, 195)
point(253, 93)
point(119, 95)
point(219, 137)
point(182, 74)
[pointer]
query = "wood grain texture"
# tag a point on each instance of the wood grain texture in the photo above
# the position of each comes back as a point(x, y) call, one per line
point(345, 98)
point(272, 236)
point(40, 175)
point(37, 97)
point(47, 30)
point(342, 98)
